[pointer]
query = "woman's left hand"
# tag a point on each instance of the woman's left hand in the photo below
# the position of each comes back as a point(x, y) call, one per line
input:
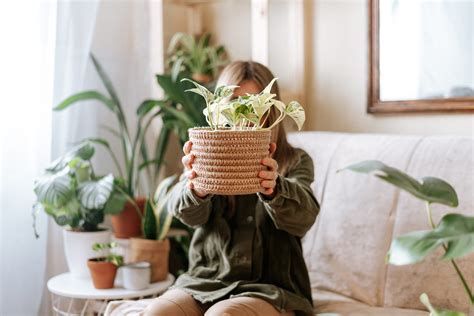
point(269, 176)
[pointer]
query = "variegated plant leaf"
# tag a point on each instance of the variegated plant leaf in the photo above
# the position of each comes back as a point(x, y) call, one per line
point(296, 112)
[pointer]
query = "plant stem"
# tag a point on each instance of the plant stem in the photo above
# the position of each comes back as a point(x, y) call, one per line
point(455, 266)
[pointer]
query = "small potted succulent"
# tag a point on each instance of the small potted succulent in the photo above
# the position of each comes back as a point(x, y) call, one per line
point(103, 269)
point(77, 199)
point(155, 246)
point(229, 151)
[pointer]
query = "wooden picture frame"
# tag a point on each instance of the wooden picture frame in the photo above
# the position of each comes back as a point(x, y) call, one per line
point(375, 105)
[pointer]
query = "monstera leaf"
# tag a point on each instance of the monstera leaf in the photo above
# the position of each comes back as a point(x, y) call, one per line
point(54, 190)
point(456, 231)
point(432, 190)
point(94, 194)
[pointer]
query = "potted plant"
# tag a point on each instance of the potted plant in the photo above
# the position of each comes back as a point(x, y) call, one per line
point(137, 158)
point(196, 57)
point(103, 269)
point(77, 199)
point(229, 151)
point(454, 233)
point(155, 246)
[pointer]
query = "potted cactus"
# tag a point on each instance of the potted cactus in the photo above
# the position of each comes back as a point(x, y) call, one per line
point(229, 151)
point(77, 199)
point(154, 247)
point(103, 269)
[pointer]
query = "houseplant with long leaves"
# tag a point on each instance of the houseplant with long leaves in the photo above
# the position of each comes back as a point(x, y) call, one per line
point(454, 233)
point(154, 247)
point(137, 159)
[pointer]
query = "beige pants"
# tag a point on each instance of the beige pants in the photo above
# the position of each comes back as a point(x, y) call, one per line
point(178, 303)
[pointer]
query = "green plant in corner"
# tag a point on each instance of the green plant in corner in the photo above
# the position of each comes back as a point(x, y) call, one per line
point(195, 57)
point(113, 258)
point(72, 194)
point(136, 155)
point(454, 233)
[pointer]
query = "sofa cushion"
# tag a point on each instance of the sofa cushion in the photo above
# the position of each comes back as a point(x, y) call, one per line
point(358, 309)
point(345, 250)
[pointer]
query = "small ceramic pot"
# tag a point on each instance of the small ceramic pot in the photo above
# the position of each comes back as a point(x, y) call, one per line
point(136, 276)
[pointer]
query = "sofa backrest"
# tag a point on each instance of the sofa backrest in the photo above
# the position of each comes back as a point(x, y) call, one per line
point(360, 214)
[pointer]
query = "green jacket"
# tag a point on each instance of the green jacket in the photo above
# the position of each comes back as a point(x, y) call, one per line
point(257, 252)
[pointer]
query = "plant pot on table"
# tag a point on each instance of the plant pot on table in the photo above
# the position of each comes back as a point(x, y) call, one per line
point(102, 272)
point(156, 252)
point(128, 223)
point(78, 249)
point(227, 162)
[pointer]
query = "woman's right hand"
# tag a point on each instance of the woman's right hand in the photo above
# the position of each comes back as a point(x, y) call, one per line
point(187, 161)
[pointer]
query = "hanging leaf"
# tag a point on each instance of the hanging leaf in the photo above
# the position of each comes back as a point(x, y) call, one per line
point(56, 189)
point(85, 96)
point(94, 194)
point(456, 231)
point(268, 88)
point(432, 190)
point(296, 112)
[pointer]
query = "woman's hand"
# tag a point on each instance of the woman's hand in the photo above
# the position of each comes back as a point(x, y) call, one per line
point(187, 161)
point(270, 175)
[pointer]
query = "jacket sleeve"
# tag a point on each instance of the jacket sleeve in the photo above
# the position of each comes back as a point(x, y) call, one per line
point(187, 206)
point(294, 207)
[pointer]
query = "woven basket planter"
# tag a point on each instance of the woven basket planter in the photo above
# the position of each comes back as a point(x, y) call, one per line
point(227, 162)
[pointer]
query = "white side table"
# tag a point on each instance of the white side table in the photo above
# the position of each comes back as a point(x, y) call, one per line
point(76, 296)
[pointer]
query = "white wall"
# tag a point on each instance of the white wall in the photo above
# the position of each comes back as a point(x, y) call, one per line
point(336, 56)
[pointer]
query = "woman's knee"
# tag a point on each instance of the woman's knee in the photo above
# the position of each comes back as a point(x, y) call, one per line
point(243, 306)
point(173, 303)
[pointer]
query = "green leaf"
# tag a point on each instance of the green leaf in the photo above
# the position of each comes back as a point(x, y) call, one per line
point(200, 90)
point(94, 194)
point(84, 96)
point(431, 189)
point(106, 80)
point(268, 88)
point(68, 214)
point(437, 312)
point(456, 231)
point(84, 151)
point(146, 106)
point(56, 189)
point(116, 203)
point(149, 221)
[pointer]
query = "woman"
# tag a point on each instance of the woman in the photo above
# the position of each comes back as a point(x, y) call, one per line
point(246, 256)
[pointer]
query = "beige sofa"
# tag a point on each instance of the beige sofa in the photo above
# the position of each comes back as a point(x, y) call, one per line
point(360, 215)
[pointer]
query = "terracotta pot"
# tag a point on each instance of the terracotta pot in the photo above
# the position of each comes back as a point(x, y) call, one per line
point(103, 273)
point(128, 223)
point(156, 252)
point(227, 162)
point(202, 78)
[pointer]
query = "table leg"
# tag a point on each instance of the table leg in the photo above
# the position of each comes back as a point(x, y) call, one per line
point(84, 309)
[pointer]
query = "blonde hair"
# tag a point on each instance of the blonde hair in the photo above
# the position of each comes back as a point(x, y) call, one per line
point(239, 71)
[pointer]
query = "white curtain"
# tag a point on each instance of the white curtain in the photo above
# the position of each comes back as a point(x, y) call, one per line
point(48, 44)
point(27, 30)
